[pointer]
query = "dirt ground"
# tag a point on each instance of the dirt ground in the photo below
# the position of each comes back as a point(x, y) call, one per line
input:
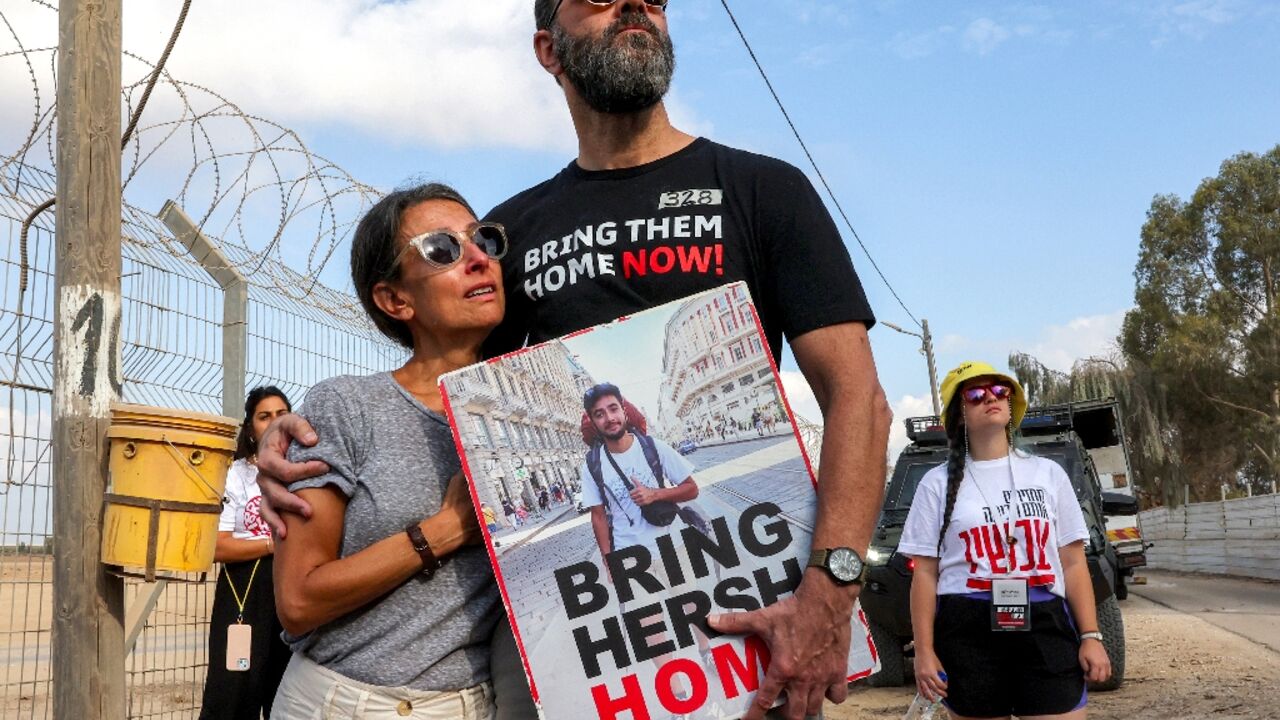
point(1179, 667)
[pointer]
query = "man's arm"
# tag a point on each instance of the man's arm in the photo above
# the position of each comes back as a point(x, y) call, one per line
point(684, 492)
point(808, 634)
point(600, 526)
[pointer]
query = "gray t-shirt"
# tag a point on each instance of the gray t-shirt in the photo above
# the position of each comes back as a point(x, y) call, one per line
point(393, 457)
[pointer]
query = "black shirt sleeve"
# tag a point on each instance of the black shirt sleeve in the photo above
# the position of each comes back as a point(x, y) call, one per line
point(807, 274)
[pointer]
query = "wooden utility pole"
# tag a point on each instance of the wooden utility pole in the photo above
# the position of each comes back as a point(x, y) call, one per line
point(88, 617)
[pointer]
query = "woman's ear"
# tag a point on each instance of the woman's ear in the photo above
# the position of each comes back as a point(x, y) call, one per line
point(391, 301)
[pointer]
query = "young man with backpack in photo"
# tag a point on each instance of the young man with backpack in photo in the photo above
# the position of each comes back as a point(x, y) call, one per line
point(631, 482)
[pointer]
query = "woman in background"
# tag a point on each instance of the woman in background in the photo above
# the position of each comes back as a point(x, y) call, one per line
point(244, 594)
point(995, 520)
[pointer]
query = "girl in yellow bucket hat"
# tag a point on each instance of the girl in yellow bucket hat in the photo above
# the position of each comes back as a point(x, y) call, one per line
point(1002, 606)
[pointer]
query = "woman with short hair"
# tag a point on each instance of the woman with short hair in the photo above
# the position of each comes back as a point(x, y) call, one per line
point(385, 591)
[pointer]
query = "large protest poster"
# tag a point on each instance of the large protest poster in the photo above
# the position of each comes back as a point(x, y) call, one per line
point(624, 635)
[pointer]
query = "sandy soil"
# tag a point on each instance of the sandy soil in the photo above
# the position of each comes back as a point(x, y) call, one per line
point(1179, 666)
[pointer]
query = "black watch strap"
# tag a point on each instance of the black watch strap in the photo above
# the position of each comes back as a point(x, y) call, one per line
point(430, 563)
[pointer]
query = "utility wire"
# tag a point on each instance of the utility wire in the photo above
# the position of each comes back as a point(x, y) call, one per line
point(814, 163)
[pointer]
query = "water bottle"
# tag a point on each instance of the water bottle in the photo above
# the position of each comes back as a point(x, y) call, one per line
point(924, 709)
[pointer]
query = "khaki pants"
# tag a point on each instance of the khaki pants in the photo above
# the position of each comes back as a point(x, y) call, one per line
point(311, 692)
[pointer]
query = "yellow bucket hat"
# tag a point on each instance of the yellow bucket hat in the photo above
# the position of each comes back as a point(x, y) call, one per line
point(970, 370)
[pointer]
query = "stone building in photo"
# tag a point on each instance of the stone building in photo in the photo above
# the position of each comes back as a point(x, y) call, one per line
point(715, 372)
point(520, 424)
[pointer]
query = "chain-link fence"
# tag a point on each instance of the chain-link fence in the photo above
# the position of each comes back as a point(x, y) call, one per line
point(171, 335)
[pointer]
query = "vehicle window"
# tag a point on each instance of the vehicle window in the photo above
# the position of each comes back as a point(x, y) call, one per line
point(1066, 460)
point(904, 488)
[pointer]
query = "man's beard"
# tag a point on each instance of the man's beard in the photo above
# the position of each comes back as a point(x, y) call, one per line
point(622, 430)
point(618, 78)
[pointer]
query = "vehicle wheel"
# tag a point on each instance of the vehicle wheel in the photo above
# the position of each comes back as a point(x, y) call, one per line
point(1122, 588)
point(893, 669)
point(1112, 626)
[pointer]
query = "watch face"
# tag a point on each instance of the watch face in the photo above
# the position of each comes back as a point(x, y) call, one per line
point(844, 564)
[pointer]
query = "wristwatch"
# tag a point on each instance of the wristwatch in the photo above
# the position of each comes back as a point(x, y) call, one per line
point(1095, 635)
point(843, 564)
point(430, 563)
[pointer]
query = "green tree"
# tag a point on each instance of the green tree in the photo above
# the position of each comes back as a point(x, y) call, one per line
point(1206, 323)
point(1142, 413)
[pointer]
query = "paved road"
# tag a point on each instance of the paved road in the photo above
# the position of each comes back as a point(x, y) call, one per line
point(1249, 608)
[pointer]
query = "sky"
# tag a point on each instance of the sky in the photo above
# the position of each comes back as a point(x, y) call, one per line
point(996, 158)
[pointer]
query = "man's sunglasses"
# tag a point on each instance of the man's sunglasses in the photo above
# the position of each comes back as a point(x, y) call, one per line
point(660, 4)
point(978, 393)
point(443, 248)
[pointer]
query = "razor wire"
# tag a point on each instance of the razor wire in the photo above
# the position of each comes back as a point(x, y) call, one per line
point(245, 179)
point(276, 210)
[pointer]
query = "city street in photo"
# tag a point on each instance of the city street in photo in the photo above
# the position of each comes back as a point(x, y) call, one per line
point(601, 635)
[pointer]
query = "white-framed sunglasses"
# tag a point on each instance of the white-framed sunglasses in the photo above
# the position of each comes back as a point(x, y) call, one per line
point(442, 248)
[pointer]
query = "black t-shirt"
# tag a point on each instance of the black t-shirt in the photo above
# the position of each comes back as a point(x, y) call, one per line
point(590, 246)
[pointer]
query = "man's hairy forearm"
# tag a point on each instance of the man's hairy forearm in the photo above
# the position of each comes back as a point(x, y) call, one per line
point(837, 362)
point(852, 469)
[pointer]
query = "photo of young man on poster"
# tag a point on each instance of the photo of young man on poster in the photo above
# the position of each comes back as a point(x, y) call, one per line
point(632, 482)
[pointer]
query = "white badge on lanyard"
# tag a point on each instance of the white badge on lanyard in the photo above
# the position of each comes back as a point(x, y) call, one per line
point(1010, 605)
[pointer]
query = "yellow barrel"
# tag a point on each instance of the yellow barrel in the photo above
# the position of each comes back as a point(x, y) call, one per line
point(168, 469)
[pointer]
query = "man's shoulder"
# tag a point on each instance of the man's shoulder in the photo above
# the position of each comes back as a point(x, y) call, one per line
point(512, 210)
point(746, 161)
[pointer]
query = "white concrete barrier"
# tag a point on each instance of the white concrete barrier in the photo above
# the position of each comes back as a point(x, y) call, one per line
point(1231, 537)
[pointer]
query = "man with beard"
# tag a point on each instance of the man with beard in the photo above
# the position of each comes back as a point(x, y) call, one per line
point(620, 478)
point(647, 214)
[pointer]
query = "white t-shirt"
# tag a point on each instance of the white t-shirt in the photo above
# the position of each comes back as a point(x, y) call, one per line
point(629, 527)
point(1045, 517)
point(243, 498)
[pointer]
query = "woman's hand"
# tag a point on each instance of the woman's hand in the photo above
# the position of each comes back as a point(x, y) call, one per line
point(456, 507)
point(1094, 660)
point(929, 675)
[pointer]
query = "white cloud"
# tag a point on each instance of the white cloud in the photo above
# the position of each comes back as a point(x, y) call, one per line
point(800, 396)
point(424, 72)
point(1057, 346)
point(803, 403)
point(1193, 18)
point(911, 46)
point(906, 406)
point(1214, 12)
point(984, 35)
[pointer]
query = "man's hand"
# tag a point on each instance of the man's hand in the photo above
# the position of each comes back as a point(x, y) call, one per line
point(275, 472)
point(808, 638)
point(643, 495)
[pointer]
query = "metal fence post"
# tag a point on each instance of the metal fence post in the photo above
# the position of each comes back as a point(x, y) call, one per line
point(235, 302)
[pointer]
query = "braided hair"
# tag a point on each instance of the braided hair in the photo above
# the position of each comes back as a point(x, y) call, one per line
point(958, 448)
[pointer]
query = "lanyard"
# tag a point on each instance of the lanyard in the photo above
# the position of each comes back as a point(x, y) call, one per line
point(1011, 508)
point(240, 601)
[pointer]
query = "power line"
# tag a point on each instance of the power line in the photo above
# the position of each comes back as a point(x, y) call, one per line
point(814, 163)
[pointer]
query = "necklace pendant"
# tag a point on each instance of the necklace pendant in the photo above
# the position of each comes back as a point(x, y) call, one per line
point(1012, 541)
